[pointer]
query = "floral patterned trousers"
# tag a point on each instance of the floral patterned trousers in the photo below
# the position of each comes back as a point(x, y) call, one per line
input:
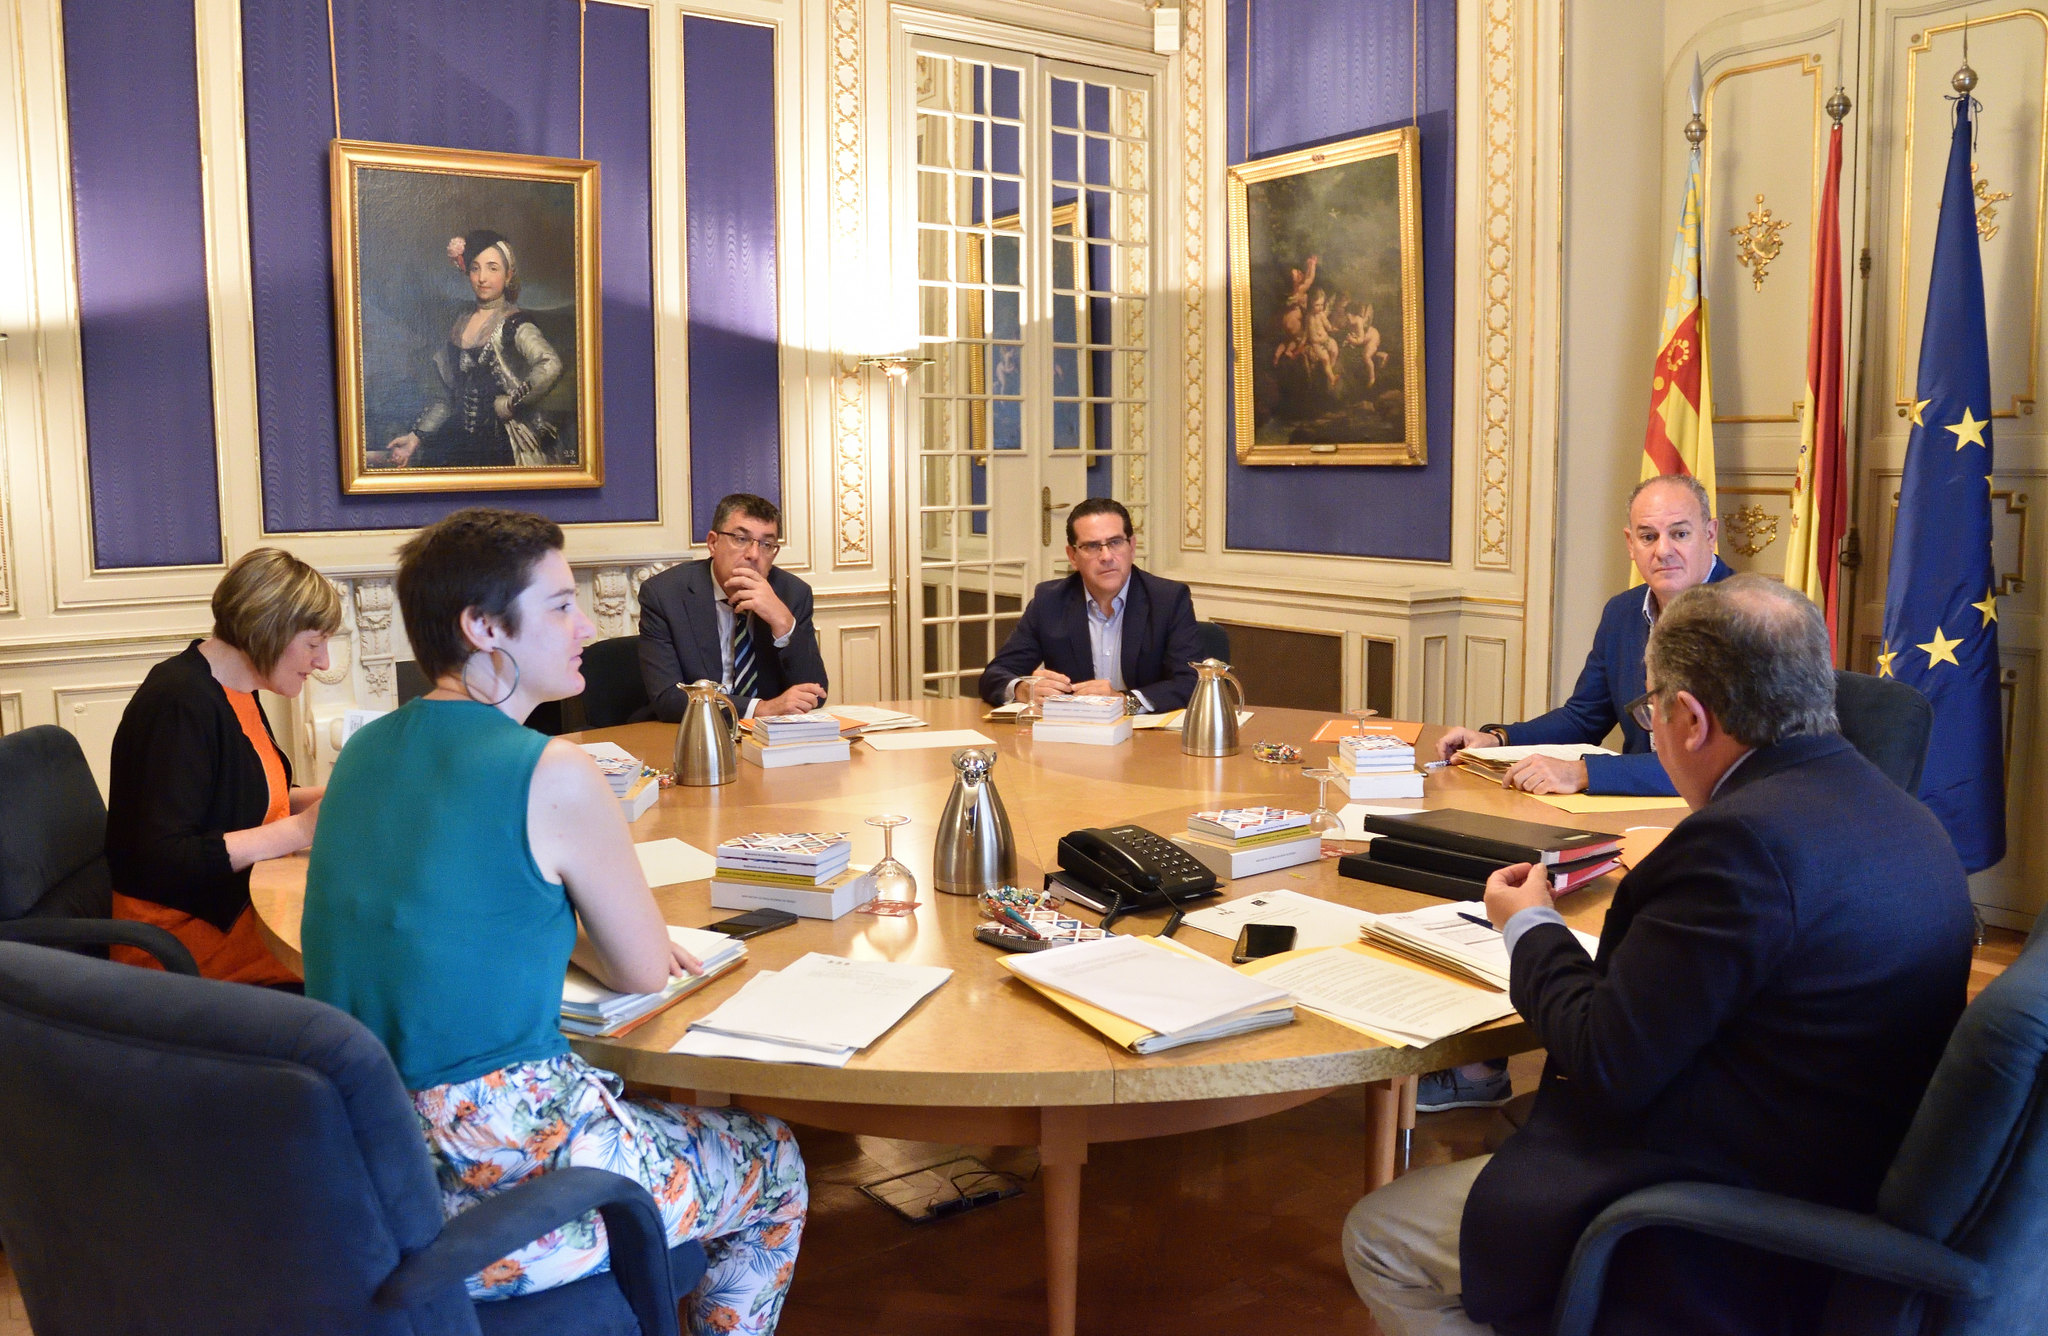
point(730, 1179)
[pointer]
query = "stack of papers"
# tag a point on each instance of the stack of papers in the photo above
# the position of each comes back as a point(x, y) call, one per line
point(1402, 1006)
point(1171, 720)
point(1163, 994)
point(1082, 709)
point(1445, 936)
point(865, 719)
point(1493, 762)
point(589, 1008)
point(779, 730)
point(820, 1011)
point(1316, 922)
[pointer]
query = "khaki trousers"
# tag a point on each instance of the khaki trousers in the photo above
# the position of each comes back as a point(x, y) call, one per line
point(1401, 1248)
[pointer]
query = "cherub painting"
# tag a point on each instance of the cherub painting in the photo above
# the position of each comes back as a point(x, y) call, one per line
point(467, 287)
point(1322, 240)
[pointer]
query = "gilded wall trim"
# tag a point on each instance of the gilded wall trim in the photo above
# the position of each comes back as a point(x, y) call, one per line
point(852, 540)
point(1194, 183)
point(1497, 293)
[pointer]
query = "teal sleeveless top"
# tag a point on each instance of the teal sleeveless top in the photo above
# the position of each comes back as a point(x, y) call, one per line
point(426, 917)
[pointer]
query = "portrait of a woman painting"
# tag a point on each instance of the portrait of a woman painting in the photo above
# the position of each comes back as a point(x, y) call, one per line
point(467, 292)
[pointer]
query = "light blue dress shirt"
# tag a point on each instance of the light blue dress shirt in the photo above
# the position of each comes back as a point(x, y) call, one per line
point(1106, 640)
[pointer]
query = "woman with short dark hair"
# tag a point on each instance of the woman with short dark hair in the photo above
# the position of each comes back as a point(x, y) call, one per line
point(457, 853)
point(198, 788)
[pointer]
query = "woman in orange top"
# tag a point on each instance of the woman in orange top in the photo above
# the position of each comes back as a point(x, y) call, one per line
point(199, 789)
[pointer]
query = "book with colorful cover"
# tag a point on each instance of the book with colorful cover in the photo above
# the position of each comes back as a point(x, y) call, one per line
point(1376, 751)
point(1238, 824)
point(817, 852)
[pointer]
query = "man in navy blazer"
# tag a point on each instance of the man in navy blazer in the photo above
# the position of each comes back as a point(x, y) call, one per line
point(1773, 988)
point(1107, 629)
point(732, 618)
point(1671, 540)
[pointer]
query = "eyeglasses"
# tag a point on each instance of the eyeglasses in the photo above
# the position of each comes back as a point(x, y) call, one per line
point(1116, 544)
point(1643, 709)
point(744, 541)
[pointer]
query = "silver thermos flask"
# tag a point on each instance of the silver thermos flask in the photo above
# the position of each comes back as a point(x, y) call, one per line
point(975, 851)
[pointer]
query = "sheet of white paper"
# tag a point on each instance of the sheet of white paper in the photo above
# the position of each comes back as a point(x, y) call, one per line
point(827, 1001)
point(1316, 922)
point(873, 718)
point(1386, 997)
point(1010, 711)
point(938, 737)
point(667, 862)
point(1164, 991)
point(1353, 815)
point(705, 1044)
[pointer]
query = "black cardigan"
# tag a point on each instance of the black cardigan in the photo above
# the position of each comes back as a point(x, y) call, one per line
point(183, 774)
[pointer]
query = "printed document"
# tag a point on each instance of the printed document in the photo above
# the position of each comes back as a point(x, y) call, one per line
point(1162, 990)
point(1393, 1000)
point(1316, 922)
point(823, 1001)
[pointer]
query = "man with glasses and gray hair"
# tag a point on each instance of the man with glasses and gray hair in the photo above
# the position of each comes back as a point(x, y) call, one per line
point(1108, 629)
point(733, 618)
point(1773, 988)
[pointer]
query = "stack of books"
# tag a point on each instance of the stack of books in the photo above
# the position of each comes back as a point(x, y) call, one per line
point(806, 873)
point(589, 1008)
point(1240, 841)
point(1095, 720)
point(1378, 765)
point(633, 784)
point(795, 739)
point(1451, 853)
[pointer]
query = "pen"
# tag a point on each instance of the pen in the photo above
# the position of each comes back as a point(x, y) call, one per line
point(1474, 918)
point(1026, 924)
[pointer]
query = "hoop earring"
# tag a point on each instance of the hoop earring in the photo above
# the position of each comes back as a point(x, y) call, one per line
point(508, 691)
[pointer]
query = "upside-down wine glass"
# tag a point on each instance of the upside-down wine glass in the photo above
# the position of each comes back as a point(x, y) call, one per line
point(1324, 822)
point(1359, 716)
point(895, 886)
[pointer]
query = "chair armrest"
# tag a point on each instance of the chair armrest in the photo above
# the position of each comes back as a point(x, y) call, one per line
point(1844, 1240)
point(507, 1221)
point(168, 950)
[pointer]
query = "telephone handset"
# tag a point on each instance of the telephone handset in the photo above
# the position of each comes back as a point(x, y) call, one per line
point(1141, 868)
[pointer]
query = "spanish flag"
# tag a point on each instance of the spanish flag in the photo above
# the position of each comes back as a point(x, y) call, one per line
point(1681, 434)
point(1820, 499)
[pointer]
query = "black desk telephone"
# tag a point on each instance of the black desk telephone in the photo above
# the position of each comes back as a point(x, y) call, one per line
point(1143, 870)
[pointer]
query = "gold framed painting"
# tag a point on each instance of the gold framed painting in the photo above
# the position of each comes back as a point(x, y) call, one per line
point(1326, 304)
point(467, 325)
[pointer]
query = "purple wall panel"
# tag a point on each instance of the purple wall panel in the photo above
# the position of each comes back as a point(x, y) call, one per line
point(1321, 71)
point(483, 74)
point(736, 406)
point(141, 241)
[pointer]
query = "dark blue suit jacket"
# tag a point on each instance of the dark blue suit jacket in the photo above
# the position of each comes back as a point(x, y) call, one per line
point(1773, 988)
point(679, 639)
point(1612, 677)
point(1159, 639)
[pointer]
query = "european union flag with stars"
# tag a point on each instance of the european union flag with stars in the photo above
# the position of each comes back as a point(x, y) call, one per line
point(1941, 603)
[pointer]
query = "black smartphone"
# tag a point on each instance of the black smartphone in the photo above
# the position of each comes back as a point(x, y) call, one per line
point(1262, 939)
point(753, 923)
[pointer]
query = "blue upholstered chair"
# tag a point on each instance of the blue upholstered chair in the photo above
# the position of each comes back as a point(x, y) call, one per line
point(1886, 720)
point(1212, 641)
point(185, 1155)
point(53, 829)
point(1956, 1244)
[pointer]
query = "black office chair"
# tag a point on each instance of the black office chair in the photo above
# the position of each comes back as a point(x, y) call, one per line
point(1888, 722)
point(613, 690)
point(53, 834)
point(1955, 1246)
point(186, 1155)
point(1212, 641)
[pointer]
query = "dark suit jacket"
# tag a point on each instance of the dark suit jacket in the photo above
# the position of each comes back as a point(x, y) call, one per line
point(1159, 639)
point(1773, 988)
point(1612, 677)
point(679, 639)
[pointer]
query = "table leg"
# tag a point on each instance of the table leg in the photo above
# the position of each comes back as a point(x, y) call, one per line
point(1408, 1086)
point(1382, 1130)
point(1062, 1150)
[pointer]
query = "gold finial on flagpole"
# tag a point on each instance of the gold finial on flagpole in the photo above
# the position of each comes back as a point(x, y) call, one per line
point(1838, 105)
point(1965, 78)
point(1696, 128)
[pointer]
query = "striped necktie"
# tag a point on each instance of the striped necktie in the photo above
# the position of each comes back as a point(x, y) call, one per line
point(744, 680)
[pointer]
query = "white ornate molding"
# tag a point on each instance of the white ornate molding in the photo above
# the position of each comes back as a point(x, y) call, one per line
point(1194, 186)
point(1497, 292)
point(852, 541)
point(608, 599)
point(373, 598)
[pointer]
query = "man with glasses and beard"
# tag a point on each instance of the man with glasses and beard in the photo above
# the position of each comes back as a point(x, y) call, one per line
point(733, 618)
point(1108, 629)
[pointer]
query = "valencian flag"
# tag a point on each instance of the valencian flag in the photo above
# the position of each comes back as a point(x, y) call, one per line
point(1941, 604)
point(1681, 434)
point(1820, 500)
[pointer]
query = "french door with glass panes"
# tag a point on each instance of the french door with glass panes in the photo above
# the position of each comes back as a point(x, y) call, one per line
point(1031, 192)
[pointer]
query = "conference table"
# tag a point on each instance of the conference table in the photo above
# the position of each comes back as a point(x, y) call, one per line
point(985, 1060)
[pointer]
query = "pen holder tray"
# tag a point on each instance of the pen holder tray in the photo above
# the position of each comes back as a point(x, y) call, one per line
point(1001, 910)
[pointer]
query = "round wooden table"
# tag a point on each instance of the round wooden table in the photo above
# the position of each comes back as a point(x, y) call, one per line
point(985, 1060)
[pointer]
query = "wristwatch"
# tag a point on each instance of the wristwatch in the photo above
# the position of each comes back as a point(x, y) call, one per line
point(1132, 705)
point(1498, 730)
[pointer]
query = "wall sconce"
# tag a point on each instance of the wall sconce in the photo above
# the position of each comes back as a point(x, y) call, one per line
point(897, 366)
